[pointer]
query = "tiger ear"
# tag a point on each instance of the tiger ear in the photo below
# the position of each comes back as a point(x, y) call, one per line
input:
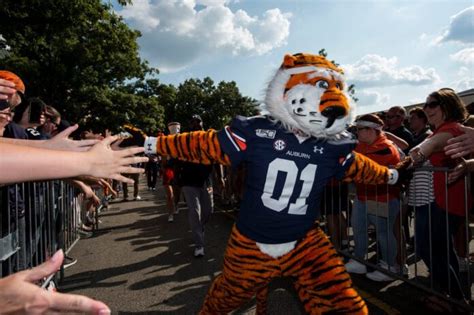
point(289, 61)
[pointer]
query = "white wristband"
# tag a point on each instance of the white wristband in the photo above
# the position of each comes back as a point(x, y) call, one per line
point(150, 145)
point(392, 176)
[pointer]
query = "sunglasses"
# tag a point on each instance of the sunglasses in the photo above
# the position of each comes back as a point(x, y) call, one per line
point(431, 105)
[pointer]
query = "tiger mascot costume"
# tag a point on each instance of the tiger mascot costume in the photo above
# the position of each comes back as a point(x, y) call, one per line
point(291, 151)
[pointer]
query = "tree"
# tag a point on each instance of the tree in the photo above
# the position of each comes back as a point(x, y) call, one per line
point(76, 55)
point(215, 104)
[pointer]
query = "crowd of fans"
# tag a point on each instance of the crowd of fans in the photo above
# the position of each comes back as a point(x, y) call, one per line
point(33, 147)
point(34, 133)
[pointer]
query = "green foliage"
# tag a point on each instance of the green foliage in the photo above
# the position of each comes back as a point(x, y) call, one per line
point(75, 55)
point(80, 57)
point(216, 105)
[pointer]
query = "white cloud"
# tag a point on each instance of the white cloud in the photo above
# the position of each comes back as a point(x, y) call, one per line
point(465, 56)
point(374, 70)
point(178, 33)
point(209, 3)
point(465, 80)
point(423, 36)
point(371, 98)
point(460, 28)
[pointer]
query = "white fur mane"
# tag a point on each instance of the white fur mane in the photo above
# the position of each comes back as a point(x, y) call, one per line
point(274, 106)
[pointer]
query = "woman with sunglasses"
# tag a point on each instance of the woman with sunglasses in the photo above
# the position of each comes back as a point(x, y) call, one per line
point(444, 110)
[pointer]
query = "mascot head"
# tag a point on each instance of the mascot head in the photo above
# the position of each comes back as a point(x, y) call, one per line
point(308, 95)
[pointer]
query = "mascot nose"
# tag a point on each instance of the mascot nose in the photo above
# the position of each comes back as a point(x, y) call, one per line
point(332, 113)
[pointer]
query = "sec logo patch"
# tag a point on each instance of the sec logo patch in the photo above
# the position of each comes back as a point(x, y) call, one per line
point(279, 145)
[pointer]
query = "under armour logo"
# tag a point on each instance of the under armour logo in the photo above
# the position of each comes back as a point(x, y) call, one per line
point(318, 149)
point(149, 147)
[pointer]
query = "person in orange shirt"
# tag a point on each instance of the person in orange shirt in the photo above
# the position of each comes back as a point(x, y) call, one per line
point(375, 204)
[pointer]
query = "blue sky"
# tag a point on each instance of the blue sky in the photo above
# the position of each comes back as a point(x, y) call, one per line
point(395, 52)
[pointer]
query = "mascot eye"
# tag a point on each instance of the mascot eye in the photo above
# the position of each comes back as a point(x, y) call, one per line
point(323, 84)
point(293, 102)
point(302, 100)
point(339, 85)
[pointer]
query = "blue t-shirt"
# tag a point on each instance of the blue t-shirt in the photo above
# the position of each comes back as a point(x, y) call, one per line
point(285, 176)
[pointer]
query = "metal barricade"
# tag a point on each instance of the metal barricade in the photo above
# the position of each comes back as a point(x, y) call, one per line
point(37, 219)
point(431, 250)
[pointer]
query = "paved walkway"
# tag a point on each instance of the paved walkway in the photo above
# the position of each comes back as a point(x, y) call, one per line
point(138, 263)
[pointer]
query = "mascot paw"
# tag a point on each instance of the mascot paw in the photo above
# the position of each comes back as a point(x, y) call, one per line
point(132, 136)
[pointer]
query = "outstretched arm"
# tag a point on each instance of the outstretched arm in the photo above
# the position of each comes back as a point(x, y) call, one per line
point(366, 171)
point(197, 146)
point(23, 163)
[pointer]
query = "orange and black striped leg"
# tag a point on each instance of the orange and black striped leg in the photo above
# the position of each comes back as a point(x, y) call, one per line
point(322, 283)
point(262, 301)
point(246, 271)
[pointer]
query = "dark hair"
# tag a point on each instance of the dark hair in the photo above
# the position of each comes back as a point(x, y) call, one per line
point(51, 112)
point(451, 105)
point(35, 107)
point(420, 113)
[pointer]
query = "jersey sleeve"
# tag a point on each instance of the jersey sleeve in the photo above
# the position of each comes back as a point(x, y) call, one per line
point(234, 139)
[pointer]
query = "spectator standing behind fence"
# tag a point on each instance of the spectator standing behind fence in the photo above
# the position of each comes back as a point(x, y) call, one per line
point(445, 111)
point(394, 125)
point(52, 122)
point(419, 125)
point(18, 292)
point(375, 204)
point(195, 180)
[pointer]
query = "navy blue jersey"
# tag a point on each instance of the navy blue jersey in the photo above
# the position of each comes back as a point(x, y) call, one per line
point(285, 177)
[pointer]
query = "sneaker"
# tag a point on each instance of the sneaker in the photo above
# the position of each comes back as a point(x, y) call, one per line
point(199, 252)
point(378, 276)
point(68, 262)
point(125, 199)
point(353, 266)
point(137, 198)
point(84, 234)
point(170, 218)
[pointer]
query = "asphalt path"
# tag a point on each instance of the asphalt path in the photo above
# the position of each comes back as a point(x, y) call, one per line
point(138, 263)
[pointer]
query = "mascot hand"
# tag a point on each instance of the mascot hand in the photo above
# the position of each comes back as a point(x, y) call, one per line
point(404, 171)
point(132, 136)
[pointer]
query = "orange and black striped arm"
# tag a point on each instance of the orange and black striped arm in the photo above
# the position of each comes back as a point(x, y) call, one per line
point(197, 146)
point(366, 171)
